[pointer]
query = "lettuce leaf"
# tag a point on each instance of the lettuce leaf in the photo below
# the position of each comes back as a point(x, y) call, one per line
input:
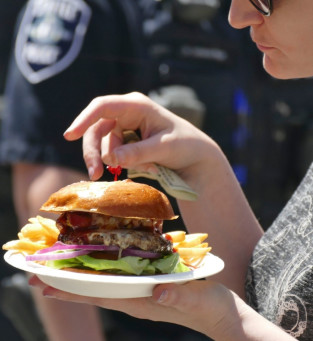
point(125, 266)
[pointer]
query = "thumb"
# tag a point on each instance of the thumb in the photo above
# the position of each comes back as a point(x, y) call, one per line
point(144, 152)
point(180, 297)
point(205, 306)
point(195, 296)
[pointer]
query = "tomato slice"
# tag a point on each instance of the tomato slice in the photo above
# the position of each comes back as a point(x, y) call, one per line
point(79, 219)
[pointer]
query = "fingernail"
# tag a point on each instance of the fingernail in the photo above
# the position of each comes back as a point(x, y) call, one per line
point(91, 172)
point(67, 132)
point(163, 296)
point(47, 294)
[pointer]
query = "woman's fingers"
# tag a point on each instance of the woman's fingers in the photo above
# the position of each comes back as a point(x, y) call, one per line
point(135, 155)
point(181, 297)
point(137, 307)
point(92, 147)
point(36, 282)
point(103, 121)
point(200, 305)
point(102, 124)
point(102, 147)
point(129, 109)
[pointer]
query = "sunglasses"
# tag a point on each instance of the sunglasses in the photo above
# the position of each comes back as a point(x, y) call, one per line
point(263, 6)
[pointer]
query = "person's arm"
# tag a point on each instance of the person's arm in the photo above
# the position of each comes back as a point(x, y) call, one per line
point(224, 213)
point(205, 306)
point(32, 185)
point(167, 139)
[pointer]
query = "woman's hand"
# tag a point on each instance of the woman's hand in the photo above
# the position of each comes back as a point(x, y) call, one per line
point(166, 138)
point(204, 306)
point(200, 305)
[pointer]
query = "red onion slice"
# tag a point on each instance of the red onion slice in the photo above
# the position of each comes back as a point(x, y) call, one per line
point(141, 253)
point(79, 250)
point(58, 246)
point(56, 256)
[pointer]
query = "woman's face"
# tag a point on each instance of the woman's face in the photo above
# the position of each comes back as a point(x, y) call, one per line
point(285, 38)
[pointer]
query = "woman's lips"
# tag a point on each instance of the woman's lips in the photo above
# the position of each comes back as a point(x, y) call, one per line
point(264, 48)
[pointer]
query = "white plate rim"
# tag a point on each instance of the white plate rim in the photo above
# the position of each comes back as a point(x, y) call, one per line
point(210, 266)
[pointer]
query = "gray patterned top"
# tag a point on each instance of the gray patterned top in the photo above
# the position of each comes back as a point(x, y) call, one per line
point(280, 278)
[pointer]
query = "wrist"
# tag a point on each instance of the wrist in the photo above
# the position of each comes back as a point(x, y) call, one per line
point(244, 324)
point(212, 165)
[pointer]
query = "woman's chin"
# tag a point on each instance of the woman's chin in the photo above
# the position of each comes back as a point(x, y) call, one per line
point(281, 70)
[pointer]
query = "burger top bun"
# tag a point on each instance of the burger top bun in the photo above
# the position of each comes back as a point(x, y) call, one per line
point(118, 198)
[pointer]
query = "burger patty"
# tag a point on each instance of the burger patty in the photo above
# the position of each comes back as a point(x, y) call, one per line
point(124, 238)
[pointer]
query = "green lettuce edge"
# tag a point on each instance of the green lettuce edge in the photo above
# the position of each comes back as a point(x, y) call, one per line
point(125, 266)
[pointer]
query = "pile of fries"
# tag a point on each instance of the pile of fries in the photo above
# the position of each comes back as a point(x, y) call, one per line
point(38, 234)
point(41, 233)
point(191, 247)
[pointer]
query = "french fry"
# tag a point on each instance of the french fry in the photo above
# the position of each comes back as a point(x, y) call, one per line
point(38, 234)
point(193, 251)
point(193, 261)
point(33, 220)
point(177, 236)
point(191, 247)
point(24, 246)
point(49, 225)
point(193, 239)
point(33, 232)
point(202, 245)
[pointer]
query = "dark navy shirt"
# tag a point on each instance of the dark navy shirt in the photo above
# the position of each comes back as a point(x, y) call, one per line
point(66, 53)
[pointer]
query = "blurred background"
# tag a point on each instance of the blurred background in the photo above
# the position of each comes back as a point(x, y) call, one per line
point(8, 13)
point(203, 70)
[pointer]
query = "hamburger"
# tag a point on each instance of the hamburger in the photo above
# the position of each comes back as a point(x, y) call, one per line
point(111, 227)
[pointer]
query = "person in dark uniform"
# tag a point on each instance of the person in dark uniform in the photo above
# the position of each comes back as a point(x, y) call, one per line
point(65, 53)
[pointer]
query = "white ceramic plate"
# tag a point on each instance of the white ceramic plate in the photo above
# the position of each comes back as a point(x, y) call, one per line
point(110, 286)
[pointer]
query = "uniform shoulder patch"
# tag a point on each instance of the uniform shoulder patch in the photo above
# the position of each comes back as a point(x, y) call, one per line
point(50, 37)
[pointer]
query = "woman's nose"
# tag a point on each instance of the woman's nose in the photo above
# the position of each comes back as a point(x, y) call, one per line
point(243, 14)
